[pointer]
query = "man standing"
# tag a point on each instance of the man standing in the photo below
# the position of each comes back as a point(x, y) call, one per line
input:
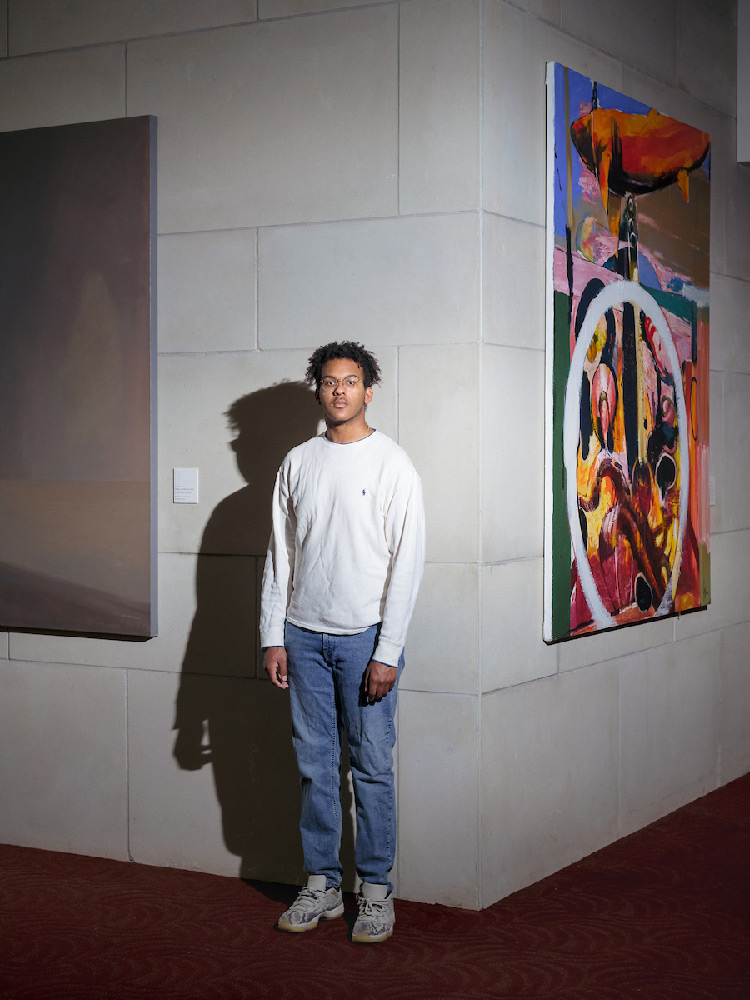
point(342, 573)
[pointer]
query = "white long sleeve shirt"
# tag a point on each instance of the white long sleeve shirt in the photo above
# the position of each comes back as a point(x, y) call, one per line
point(347, 543)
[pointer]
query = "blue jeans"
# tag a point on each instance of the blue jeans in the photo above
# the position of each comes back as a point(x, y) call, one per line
point(326, 687)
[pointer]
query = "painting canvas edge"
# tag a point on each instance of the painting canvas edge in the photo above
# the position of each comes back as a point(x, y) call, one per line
point(549, 246)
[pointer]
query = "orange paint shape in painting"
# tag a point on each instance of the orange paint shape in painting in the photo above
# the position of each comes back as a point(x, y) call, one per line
point(638, 153)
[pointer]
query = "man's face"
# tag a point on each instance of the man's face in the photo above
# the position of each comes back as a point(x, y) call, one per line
point(343, 402)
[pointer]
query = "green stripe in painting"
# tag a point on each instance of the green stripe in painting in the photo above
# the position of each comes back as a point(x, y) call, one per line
point(560, 530)
point(678, 305)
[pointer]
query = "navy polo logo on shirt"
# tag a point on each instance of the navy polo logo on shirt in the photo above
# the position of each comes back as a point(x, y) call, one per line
point(364, 492)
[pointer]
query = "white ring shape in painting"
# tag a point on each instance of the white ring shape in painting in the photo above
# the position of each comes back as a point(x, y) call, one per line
point(615, 294)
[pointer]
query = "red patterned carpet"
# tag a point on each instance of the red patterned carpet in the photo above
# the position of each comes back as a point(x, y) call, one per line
point(662, 915)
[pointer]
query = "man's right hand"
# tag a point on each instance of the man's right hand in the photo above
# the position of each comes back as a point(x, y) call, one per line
point(274, 664)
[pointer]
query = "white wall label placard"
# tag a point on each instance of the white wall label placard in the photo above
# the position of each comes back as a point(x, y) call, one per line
point(185, 485)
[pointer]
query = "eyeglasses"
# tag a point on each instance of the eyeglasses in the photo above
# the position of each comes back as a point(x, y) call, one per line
point(329, 384)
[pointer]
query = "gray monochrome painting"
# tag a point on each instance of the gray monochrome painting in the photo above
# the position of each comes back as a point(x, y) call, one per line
point(77, 524)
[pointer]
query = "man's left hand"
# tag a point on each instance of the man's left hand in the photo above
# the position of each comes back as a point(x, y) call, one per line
point(379, 680)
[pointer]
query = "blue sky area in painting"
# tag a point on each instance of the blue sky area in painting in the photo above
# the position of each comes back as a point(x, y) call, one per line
point(581, 92)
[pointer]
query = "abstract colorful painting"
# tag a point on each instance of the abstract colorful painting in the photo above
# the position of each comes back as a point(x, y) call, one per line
point(77, 526)
point(627, 507)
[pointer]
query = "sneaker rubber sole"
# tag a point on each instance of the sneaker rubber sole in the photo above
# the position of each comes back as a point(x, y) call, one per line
point(301, 928)
point(363, 938)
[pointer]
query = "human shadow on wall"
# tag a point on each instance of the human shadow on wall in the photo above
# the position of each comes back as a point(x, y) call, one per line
point(227, 715)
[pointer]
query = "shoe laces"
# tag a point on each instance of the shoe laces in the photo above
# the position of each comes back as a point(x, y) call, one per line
point(308, 898)
point(371, 907)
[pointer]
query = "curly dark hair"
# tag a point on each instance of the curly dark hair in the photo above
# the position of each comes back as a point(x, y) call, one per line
point(345, 349)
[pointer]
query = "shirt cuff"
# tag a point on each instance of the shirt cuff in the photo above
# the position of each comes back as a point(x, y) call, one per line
point(387, 652)
point(273, 637)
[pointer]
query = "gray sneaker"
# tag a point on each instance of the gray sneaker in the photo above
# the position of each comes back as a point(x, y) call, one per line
point(376, 915)
point(314, 903)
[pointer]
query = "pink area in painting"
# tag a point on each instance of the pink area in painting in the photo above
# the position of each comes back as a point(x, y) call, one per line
point(589, 186)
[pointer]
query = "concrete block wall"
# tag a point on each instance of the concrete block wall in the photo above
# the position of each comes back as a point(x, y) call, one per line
point(330, 169)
